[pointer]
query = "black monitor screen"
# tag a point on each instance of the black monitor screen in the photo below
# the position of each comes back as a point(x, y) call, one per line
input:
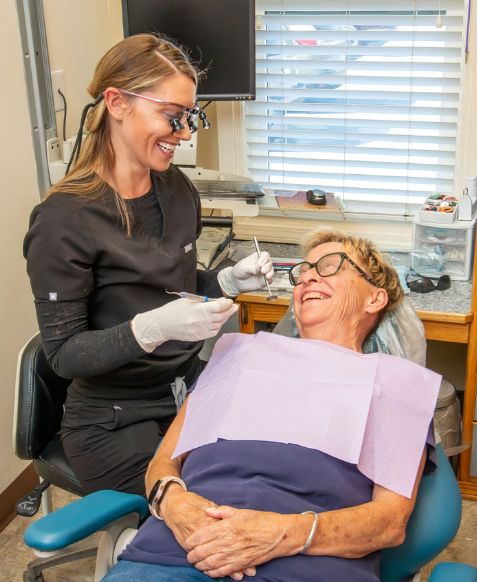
point(219, 35)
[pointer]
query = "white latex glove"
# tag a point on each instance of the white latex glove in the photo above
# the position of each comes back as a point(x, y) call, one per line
point(183, 320)
point(247, 275)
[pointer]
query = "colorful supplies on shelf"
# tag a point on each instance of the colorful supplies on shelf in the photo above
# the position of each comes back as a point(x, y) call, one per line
point(439, 207)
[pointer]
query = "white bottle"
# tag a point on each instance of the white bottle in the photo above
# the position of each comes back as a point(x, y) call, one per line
point(464, 207)
point(471, 183)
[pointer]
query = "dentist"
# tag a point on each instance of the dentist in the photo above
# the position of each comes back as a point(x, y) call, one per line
point(101, 250)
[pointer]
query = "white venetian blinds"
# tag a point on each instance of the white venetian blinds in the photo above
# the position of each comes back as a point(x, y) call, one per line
point(359, 97)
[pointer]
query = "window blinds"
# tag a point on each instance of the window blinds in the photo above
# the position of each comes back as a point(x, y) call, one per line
point(358, 97)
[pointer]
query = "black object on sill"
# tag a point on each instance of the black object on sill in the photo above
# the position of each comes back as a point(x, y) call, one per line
point(426, 284)
point(316, 197)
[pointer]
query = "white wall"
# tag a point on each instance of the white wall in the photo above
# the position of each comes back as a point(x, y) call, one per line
point(467, 146)
point(19, 194)
point(78, 34)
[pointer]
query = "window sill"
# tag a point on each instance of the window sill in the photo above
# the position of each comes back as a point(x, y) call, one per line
point(352, 210)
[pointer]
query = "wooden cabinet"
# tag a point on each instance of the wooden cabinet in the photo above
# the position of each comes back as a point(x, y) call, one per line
point(446, 327)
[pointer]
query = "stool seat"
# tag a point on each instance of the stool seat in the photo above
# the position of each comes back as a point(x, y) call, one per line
point(39, 397)
point(52, 465)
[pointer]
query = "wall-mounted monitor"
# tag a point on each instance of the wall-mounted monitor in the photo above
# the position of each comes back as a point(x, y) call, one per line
point(219, 34)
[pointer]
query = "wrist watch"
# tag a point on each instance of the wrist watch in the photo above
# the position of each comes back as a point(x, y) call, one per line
point(158, 491)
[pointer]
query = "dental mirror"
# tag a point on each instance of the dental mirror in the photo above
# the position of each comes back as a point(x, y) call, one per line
point(270, 297)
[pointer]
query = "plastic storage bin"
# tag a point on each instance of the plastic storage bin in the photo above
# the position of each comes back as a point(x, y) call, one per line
point(440, 208)
point(450, 245)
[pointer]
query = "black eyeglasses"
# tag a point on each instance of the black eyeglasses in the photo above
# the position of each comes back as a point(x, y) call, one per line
point(327, 266)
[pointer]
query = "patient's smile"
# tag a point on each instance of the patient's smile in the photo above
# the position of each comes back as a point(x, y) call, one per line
point(314, 295)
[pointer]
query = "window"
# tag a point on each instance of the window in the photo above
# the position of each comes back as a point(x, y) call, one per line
point(358, 97)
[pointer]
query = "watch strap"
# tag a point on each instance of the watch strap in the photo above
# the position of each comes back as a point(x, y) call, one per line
point(158, 491)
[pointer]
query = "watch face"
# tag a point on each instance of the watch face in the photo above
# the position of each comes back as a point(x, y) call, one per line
point(153, 492)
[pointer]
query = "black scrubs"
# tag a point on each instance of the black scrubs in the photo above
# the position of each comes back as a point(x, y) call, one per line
point(89, 280)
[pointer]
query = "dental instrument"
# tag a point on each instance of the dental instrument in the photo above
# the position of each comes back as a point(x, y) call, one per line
point(270, 297)
point(192, 296)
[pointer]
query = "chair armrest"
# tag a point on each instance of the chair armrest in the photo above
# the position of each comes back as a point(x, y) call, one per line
point(447, 572)
point(81, 518)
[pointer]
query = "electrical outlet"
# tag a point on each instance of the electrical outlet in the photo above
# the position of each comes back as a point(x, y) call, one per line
point(58, 82)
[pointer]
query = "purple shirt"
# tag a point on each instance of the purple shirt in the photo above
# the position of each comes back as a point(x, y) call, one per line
point(268, 476)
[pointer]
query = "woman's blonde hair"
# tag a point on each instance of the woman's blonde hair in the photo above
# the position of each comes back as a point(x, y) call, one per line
point(137, 63)
point(382, 273)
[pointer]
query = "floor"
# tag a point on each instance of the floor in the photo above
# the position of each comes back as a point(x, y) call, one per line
point(14, 555)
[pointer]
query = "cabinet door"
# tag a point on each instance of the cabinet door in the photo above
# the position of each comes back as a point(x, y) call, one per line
point(473, 460)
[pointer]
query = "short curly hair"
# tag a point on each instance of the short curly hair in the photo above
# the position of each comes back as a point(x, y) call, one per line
point(366, 252)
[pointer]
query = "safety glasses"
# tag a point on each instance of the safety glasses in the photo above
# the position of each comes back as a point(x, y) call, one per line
point(420, 284)
point(327, 266)
point(187, 115)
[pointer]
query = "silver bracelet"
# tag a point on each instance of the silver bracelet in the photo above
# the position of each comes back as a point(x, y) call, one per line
point(312, 531)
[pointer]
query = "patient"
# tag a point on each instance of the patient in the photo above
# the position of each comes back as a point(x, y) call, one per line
point(301, 458)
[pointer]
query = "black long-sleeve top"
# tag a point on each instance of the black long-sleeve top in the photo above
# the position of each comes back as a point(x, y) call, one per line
point(90, 279)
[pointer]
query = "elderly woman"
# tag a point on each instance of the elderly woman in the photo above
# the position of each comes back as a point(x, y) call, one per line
point(306, 476)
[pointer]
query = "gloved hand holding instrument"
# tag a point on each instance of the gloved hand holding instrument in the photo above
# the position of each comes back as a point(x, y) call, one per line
point(183, 320)
point(249, 274)
point(192, 319)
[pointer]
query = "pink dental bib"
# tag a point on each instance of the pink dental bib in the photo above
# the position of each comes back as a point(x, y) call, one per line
point(372, 410)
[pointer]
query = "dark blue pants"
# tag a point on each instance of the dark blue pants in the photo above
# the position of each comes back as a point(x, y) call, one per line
point(125, 571)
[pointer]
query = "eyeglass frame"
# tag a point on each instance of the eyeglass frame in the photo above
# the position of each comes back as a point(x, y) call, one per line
point(175, 120)
point(344, 257)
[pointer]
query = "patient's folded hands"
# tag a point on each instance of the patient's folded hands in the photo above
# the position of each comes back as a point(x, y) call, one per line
point(184, 513)
point(238, 540)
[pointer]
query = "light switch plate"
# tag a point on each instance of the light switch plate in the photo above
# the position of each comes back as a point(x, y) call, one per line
point(58, 82)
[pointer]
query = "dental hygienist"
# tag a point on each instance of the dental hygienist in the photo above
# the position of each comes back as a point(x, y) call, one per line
point(102, 249)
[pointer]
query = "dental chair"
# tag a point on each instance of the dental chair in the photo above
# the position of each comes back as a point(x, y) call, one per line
point(432, 526)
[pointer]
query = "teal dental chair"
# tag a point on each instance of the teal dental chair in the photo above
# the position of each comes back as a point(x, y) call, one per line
point(432, 527)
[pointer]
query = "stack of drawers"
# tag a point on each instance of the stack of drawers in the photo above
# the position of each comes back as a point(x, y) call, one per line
point(451, 244)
